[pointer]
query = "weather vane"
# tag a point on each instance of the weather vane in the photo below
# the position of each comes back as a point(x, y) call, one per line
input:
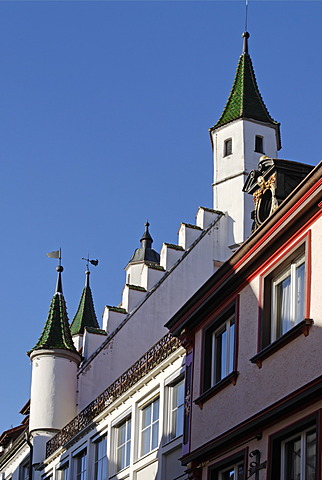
point(55, 254)
point(88, 261)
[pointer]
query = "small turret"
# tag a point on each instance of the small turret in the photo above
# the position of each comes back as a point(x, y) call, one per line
point(54, 376)
point(145, 254)
point(85, 315)
point(85, 324)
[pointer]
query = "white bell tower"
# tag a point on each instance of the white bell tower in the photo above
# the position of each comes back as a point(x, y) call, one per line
point(244, 132)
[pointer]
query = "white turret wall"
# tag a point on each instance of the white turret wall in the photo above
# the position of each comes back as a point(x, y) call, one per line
point(53, 389)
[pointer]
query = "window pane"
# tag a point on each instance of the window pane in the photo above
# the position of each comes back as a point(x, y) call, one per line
point(228, 147)
point(64, 473)
point(231, 347)
point(146, 416)
point(146, 434)
point(311, 445)
point(176, 409)
point(101, 459)
point(283, 306)
point(259, 144)
point(124, 444)
point(235, 472)
point(228, 475)
point(220, 355)
point(299, 292)
point(155, 435)
point(223, 350)
point(293, 459)
point(155, 405)
point(150, 427)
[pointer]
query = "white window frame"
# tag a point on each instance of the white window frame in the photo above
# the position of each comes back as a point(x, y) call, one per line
point(126, 420)
point(77, 455)
point(96, 462)
point(174, 409)
point(302, 434)
point(63, 467)
point(229, 347)
point(48, 476)
point(152, 401)
point(234, 467)
point(288, 272)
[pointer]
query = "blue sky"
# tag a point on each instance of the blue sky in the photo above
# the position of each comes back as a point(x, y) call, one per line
point(104, 115)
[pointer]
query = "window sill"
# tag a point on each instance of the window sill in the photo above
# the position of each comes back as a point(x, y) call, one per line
point(299, 329)
point(230, 379)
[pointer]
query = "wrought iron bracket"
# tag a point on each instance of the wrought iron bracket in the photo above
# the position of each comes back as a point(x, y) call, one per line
point(255, 466)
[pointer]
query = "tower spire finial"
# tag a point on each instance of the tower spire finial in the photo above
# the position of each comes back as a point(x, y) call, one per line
point(245, 36)
point(59, 284)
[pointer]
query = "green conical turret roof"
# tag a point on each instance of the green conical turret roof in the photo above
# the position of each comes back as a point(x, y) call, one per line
point(85, 315)
point(56, 332)
point(245, 100)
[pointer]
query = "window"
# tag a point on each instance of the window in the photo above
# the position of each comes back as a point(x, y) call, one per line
point(176, 393)
point(123, 442)
point(299, 456)
point(259, 144)
point(100, 458)
point(228, 147)
point(219, 352)
point(64, 472)
point(80, 465)
point(234, 472)
point(284, 298)
point(288, 298)
point(223, 349)
point(232, 468)
point(24, 471)
point(294, 452)
point(150, 427)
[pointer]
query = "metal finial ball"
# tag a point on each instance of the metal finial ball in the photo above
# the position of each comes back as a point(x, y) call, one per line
point(245, 34)
point(87, 272)
point(60, 268)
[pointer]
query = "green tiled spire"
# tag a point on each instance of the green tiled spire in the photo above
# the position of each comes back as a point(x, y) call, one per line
point(85, 315)
point(245, 100)
point(56, 332)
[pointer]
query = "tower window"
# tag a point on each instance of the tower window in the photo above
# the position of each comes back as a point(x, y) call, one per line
point(259, 144)
point(228, 147)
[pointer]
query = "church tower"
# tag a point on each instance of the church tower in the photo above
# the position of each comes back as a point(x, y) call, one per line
point(54, 376)
point(244, 132)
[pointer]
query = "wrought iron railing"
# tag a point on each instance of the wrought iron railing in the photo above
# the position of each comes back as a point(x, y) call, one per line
point(159, 352)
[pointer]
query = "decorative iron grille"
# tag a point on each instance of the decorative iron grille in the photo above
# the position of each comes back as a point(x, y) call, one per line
point(159, 352)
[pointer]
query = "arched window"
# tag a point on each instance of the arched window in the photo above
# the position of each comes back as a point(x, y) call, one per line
point(228, 147)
